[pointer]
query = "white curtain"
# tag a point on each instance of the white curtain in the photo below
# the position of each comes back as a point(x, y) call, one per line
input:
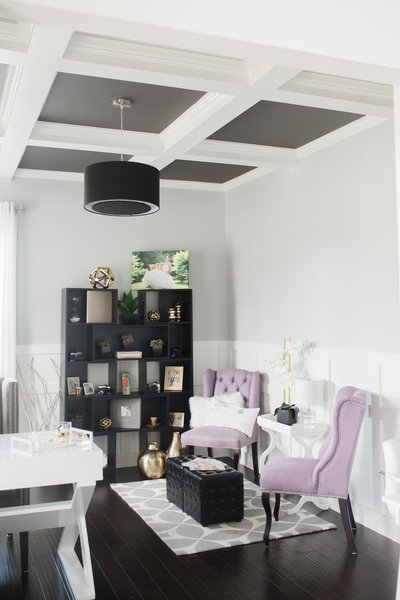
point(8, 277)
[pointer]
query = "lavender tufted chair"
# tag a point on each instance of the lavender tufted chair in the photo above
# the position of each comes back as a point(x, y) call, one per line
point(329, 474)
point(228, 381)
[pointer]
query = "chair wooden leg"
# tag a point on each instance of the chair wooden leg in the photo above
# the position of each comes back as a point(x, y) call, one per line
point(236, 455)
point(268, 514)
point(345, 514)
point(210, 452)
point(189, 450)
point(254, 452)
point(277, 506)
point(352, 521)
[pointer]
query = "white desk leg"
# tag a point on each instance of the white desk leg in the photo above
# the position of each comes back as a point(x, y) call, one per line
point(80, 579)
point(320, 503)
point(264, 455)
point(307, 442)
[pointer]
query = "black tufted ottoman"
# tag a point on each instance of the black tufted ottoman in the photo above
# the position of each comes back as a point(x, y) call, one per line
point(207, 496)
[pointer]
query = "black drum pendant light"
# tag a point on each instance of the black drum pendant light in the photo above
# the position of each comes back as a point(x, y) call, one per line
point(122, 189)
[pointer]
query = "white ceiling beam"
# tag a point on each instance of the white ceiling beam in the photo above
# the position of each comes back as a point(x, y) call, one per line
point(338, 135)
point(211, 113)
point(164, 183)
point(80, 137)
point(127, 60)
point(15, 36)
point(246, 178)
point(177, 184)
point(255, 30)
point(330, 103)
point(242, 154)
point(52, 175)
point(47, 46)
point(163, 78)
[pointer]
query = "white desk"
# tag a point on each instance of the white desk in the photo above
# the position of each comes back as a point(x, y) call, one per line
point(81, 465)
point(393, 503)
point(305, 434)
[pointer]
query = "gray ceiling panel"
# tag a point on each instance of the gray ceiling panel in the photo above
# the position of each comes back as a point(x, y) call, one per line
point(187, 170)
point(81, 100)
point(282, 125)
point(59, 159)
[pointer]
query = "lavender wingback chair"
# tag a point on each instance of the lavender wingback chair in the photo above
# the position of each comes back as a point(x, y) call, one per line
point(329, 474)
point(228, 381)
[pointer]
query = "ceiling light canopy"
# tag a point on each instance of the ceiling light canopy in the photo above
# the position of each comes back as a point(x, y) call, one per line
point(122, 189)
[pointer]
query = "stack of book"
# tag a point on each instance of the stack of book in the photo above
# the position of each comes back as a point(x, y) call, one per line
point(128, 354)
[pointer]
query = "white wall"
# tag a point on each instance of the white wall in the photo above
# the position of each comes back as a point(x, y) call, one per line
point(315, 249)
point(59, 243)
point(312, 254)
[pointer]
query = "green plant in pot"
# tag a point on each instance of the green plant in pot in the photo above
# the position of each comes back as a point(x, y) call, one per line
point(128, 307)
point(287, 412)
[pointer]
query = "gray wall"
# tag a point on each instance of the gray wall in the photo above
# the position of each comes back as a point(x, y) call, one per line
point(312, 252)
point(59, 243)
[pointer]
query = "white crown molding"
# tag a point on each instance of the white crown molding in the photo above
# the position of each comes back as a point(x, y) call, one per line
point(329, 103)
point(124, 53)
point(8, 95)
point(339, 135)
point(242, 154)
point(97, 139)
point(320, 84)
point(78, 177)
point(247, 178)
point(203, 186)
point(15, 35)
point(50, 175)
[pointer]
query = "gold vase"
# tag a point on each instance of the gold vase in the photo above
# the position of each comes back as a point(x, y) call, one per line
point(151, 462)
point(175, 447)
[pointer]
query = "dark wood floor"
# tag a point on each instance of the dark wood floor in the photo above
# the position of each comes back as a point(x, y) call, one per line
point(131, 563)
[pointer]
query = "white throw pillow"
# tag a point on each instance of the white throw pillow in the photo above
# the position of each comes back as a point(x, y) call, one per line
point(242, 419)
point(200, 406)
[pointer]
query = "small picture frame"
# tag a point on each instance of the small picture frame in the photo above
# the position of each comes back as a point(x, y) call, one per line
point(176, 419)
point(88, 389)
point(173, 379)
point(72, 384)
point(125, 384)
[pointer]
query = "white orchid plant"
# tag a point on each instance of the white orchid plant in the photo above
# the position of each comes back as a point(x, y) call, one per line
point(283, 367)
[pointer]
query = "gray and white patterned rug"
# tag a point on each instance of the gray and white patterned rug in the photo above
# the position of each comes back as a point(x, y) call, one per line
point(184, 535)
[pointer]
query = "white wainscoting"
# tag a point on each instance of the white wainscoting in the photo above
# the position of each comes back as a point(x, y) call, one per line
point(376, 372)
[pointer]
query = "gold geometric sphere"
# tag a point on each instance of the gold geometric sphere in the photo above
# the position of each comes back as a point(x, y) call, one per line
point(153, 316)
point(101, 278)
point(105, 423)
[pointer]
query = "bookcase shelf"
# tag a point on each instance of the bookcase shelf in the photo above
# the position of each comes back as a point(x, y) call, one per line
point(83, 360)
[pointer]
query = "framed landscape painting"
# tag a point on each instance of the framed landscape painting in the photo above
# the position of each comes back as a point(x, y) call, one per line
point(160, 269)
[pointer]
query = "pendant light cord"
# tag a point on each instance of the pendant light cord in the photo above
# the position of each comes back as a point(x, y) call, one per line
point(122, 132)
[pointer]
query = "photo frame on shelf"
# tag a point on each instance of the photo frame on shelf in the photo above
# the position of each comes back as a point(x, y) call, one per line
point(160, 269)
point(88, 388)
point(72, 384)
point(176, 419)
point(173, 379)
point(126, 413)
point(125, 383)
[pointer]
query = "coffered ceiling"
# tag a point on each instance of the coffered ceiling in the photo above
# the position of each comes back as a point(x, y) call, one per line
point(206, 120)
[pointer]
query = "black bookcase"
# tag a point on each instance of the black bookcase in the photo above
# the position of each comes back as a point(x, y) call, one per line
point(81, 350)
